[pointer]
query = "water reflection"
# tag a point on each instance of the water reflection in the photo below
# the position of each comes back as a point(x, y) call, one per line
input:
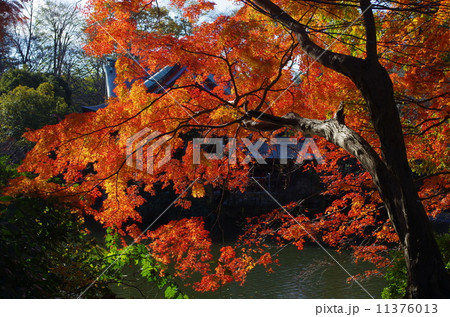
point(309, 273)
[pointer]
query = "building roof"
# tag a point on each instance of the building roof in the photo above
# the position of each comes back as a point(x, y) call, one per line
point(156, 83)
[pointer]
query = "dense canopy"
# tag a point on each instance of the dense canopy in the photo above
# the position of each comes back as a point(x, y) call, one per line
point(368, 79)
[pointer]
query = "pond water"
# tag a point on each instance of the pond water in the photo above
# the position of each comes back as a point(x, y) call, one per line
point(309, 273)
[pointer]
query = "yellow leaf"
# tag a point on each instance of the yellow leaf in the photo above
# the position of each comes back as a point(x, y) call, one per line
point(198, 191)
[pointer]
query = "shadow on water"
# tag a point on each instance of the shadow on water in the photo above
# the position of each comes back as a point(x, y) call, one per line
point(309, 273)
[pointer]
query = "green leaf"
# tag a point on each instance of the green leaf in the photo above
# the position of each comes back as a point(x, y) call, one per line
point(6, 198)
point(170, 292)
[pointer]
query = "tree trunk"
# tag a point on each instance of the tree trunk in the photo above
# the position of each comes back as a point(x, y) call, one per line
point(427, 277)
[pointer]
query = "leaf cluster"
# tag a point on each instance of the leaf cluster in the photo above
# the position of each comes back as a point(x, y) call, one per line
point(137, 255)
point(30, 101)
point(45, 253)
point(13, 78)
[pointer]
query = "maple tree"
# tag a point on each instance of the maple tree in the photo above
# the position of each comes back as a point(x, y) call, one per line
point(370, 83)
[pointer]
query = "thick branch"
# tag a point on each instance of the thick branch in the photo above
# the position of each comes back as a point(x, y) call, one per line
point(344, 137)
point(341, 63)
point(332, 130)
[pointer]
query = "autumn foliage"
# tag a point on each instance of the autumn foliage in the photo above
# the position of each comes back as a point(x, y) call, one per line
point(257, 65)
